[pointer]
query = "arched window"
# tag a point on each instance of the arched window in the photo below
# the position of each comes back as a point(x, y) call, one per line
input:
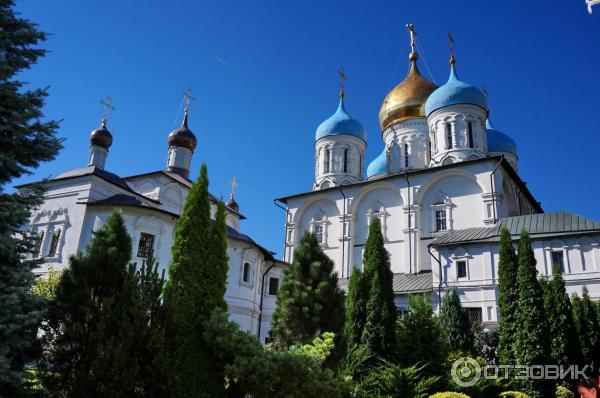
point(326, 160)
point(449, 136)
point(346, 160)
point(246, 272)
point(470, 134)
point(406, 158)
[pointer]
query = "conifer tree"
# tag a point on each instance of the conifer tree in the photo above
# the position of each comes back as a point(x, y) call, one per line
point(507, 297)
point(196, 287)
point(309, 300)
point(531, 339)
point(356, 308)
point(586, 323)
point(455, 323)
point(564, 347)
point(379, 334)
point(97, 324)
point(420, 339)
point(25, 141)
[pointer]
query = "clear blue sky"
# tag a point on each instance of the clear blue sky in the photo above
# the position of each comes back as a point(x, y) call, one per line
point(264, 75)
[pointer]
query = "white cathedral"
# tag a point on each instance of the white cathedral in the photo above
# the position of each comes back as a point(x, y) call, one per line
point(79, 201)
point(444, 185)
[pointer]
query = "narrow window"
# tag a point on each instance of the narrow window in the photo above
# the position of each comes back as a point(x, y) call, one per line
point(402, 312)
point(440, 220)
point(558, 260)
point(273, 286)
point(475, 314)
point(406, 159)
point(319, 233)
point(38, 245)
point(145, 245)
point(326, 165)
point(246, 273)
point(449, 135)
point(470, 134)
point(345, 160)
point(461, 269)
point(54, 243)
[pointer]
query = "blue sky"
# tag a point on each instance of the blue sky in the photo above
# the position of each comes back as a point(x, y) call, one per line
point(264, 76)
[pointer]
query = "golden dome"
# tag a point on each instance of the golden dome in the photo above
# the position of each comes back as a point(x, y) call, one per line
point(407, 99)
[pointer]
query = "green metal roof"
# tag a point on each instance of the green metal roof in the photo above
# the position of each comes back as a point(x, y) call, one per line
point(403, 283)
point(541, 225)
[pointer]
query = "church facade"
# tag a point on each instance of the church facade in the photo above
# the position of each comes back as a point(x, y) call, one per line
point(443, 186)
point(79, 201)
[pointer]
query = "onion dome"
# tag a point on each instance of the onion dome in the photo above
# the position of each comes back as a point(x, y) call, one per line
point(341, 123)
point(378, 167)
point(101, 137)
point(232, 203)
point(455, 92)
point(183, 136)
point(498, 141)
point(407, 99)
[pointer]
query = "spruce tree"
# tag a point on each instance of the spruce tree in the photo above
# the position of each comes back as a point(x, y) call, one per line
point(309, 301)
point(455, 323)
point(356, 309)
point(420, 340)
point(94, 325)
point(531, 339)
point(586, 322)
point(25, 141)
point(564, 347)
point(379, 334)
point(196, 287)
point(507, 298)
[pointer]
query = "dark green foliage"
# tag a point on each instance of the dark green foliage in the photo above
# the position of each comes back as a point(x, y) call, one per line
point(196, 286)
point(420, 339)
point(309, 300)
point(508, 295)
point(356, 309)
point(101, 331)
point(253, 372)
point(531, 339)
point(586, 323)
point(455, 323)
point(564, 346)
point(379, 334)
point(25, 141)
point(485, 343)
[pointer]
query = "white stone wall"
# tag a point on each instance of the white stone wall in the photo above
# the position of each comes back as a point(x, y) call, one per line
point(408, 138)
point(479, 289)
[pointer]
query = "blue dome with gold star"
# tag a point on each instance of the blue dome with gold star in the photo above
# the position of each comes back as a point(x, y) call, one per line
point(378, 167)
point(498, 141)
point(341, 123)
point(455, 92)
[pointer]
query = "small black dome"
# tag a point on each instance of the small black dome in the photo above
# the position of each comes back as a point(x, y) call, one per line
point(101, 137)
point(232, 204)
point(183, 136)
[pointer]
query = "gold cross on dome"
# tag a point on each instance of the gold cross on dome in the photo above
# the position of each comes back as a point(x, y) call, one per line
point(451, 39)
point(411, 29)
point(188, 98)
point(343, 78)
point(108, 107)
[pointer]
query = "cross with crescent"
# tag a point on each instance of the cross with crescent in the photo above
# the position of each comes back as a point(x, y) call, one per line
point(107, 104)
point(451, 39)
point(188, 98)
point(234, 186)
point(411, 29)
point(343, 78)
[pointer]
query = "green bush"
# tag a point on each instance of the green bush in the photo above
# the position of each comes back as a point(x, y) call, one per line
point(564, 392)
point(449, 394)
point(514, 394)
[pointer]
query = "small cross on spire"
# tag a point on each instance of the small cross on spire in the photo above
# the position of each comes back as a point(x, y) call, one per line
point(108, 107)
point(451, 39)
point(234, 186)
point(343, 78)
point(411, 29)
point(188, 98)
